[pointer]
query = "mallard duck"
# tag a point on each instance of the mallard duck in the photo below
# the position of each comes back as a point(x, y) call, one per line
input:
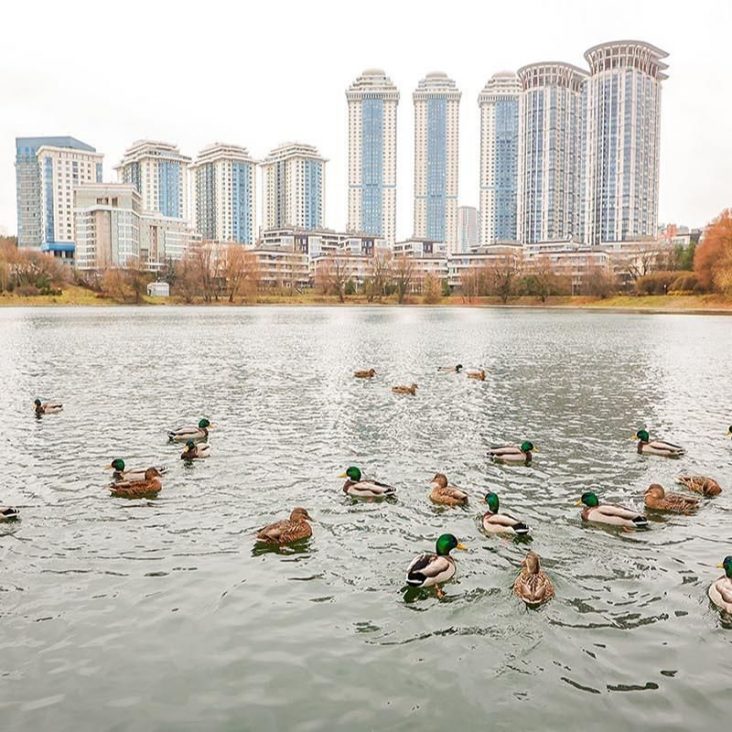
point(359, 487)
point(197, 434)
point(365, 374)
point(701, 484)
point(149, 486)
point(478, 374)
point(288, 531)
point(533, 585)
point(720, 591)
point(7, 513)
point(133, 475)
point(47, 407)
point(608, 513)
point(657, 447)
point(657, 499)
point(194, 451)
point(451, 369)
point(444, 494)
point(501, 523)
point(522, 453)
point(411, 389)
point(431, 570)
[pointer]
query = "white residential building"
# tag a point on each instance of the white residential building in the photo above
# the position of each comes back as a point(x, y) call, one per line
point(62, 170)
point(499, 142)
point(159, 173)
point(372, 154)
point(293, 187)
point(468, 228)
point(224, 187)
point(436, 170)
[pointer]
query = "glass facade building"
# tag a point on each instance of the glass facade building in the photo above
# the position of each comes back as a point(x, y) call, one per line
point(372, 126)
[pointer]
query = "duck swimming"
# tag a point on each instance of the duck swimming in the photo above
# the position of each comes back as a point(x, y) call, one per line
point(149, 486)
point(720, 591)
point(451, 369)
point(657, 499)
point(656, 447)
point(432, 570)
point(197, 434)
point(609, 513)
point(365, 374)
point(478, 374)
point(287, 531)
point(522, 453)
point(132, 475)
point(533, 585)
point(42, 408)
point(195, 452)
point(7, 513)
point(444, 494)
point(501, 523)
point(700, 484)
point(411, 389)
point(359, 487)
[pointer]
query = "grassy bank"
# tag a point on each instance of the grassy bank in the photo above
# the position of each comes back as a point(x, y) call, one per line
point(79, 296)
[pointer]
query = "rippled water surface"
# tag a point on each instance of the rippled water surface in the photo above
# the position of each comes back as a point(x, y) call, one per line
point(159, 615)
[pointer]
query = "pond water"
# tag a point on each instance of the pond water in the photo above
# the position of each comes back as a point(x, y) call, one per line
point(160, 615)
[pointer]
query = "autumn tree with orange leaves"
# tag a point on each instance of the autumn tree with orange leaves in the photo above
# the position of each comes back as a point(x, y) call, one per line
point(713, 257)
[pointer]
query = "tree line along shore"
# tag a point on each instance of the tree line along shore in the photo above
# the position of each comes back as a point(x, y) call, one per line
point(697, 278)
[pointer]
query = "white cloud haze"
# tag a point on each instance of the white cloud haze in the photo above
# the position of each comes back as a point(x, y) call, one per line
point(258, 74)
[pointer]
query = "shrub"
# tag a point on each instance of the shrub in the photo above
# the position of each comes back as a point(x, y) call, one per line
point(656, 283)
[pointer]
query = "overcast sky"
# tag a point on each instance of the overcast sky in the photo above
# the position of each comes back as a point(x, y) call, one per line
point(258, 74)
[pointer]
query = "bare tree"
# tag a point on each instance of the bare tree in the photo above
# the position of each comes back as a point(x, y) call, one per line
point(502, 275)
point(332, 276)
point(377, 281)
point(240, 271)
point(402, 274)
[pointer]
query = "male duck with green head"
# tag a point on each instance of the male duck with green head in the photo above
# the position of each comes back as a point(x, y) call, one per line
point(183, 434)
point(431, 570)
point(720, 591)
point(646, 446)
point(359, 487)
point(513, 453)
point(132, 475)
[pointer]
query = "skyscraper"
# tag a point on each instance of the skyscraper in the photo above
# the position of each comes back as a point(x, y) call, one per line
point(468, 234)
point(499, 142)
point(158, 171)
point(551, 119)
point(436, 132)
point(224, 183)
point(293, 177)
point(622, 142)
point(32, 231)
point(372, 163)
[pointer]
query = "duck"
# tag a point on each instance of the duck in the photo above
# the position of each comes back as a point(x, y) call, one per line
point(47, 407)
point(288, 531)
point(8, 513)
point(432, 570)
point(451, 369)
point(609, 513)
point(358, 487)
point(700, 484)
point(183, 434)
point(194, 451)
point(533, 585)
point(501, 523)
point(720, 591)
point(150, 485)
point(478, 374)
point(657, 499)
point(133, 475)
point(657, 447)
point(522, 453)
point(445, 494)
point(411, 389)
point(363, 374)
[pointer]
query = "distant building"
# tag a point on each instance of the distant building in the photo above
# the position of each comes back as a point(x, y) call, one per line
point(499, 143)
point(551, 124)
point(372, 161)
point(468, 228)
point(420, 248)
point(293, 183)
point(436, 145)
point(622, 141)
point(159, 173)
point(113, 230)
point(320, 242)
point(224, 185)
point(38, 196)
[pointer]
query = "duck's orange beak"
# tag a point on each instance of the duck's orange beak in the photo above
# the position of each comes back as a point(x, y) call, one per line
point(462, 547)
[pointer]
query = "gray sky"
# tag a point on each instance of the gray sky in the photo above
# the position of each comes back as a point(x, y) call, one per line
point(258, 74)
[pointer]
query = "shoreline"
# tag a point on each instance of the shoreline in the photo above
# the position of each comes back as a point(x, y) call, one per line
point(644, 304)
